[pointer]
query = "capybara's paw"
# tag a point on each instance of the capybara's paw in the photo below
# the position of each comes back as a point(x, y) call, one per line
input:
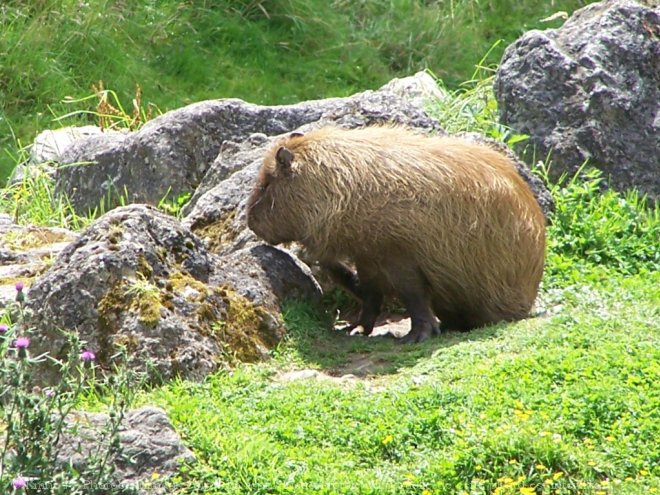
point(356, 329)
point(418, 333)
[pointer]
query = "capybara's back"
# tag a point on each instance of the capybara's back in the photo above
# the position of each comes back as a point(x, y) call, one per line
point(444, 222)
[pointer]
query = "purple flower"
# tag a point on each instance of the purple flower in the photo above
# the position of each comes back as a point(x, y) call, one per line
point(20, 295)
point(87, 356)
point(19, 482)
point(49, 392)
point(22, 343)
point(3, 329)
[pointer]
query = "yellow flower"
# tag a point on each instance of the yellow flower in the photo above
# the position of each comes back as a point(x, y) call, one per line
point(610, 438)
point(409, 479)
point(557, 475)
point(388, 439)
point(526, 490)
point(426, 492)
point(513, 461)
point(591, 463)
point(155, 475)
point(539, 466)
point(643, 472)
point(478, 467)
point(548, 482)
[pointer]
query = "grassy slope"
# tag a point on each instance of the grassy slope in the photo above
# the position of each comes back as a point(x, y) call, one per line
point(272, 52)
point(566, 403)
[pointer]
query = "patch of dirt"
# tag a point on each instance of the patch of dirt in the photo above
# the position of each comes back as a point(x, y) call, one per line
point(368, 364)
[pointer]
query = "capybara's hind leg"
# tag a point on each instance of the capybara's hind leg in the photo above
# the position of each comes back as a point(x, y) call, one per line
point(423, 322)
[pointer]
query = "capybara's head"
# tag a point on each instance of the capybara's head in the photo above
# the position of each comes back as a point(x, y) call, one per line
point(277, 200)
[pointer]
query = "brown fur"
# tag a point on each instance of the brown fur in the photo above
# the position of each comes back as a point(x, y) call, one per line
point(445, 223)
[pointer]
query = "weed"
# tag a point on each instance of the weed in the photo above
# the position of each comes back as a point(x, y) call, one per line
point(109, 110)
point(174, 206)
point(36, 418)
point(594, 226)
point(33, 200)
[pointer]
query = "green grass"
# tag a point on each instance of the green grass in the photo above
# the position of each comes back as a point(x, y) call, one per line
point(566, 403)
point(52, 52)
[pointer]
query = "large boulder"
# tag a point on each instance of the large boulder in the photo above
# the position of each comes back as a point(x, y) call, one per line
point(139, 279)
point(49, 146)
point(171, 154)
point(590, 90)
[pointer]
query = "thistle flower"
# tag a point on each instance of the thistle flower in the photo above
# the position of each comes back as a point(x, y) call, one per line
point(20, 296)
point(22, 343)
point(19, 482)
point(87, 356)
point(3, 329)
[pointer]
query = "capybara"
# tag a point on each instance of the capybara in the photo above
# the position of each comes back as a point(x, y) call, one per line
point(445, 224)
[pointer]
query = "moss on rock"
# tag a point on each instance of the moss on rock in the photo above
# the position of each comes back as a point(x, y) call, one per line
point(220, 234)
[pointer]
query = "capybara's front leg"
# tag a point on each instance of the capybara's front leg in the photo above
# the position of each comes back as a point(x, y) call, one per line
point(364, 287)
point(371, 304)
point(412, 289)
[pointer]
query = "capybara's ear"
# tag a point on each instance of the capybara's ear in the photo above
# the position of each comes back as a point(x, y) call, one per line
point(296, 134)
point(284, 158)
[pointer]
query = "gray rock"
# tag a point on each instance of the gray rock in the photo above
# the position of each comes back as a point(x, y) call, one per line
point(171, 154)
point(228, 168)
point(48, 147)
point(139, 279)
point(419, 89)
point(217, 211)
point(111, 286)
point(267, 275)
point(151, 451)
point(590, 90)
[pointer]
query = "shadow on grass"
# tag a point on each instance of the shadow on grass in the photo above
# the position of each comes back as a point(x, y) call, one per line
point(313, 339)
